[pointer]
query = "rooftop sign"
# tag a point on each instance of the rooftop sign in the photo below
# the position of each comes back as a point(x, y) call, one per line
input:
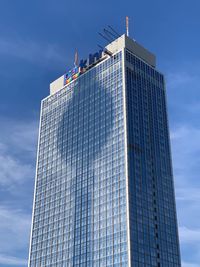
point(72, 75)
point(84, 65)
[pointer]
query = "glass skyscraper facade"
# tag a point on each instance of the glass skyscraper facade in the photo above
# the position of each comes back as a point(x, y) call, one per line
point(104, 193)
point(153, 226)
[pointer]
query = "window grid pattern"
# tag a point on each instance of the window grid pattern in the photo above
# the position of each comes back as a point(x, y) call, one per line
point(153, 223)
point(80, 196)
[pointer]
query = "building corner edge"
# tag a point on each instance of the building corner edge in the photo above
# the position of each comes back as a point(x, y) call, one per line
point(126, 153)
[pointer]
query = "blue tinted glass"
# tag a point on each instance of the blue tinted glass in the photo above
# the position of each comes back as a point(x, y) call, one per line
point(80, 198)
point(153, 225)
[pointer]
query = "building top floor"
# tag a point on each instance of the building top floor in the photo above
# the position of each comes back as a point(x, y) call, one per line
point(117, 45)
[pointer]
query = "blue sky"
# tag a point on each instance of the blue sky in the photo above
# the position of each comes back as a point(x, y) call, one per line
point(37, 44)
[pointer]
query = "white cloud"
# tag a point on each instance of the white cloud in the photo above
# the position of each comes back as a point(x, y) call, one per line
point(19, 135)
point(186, 162)
point(13, 172)
point(183, 94)
point(17, 152)
point(187, 264)
point(14, 229)
point(17, 165)
point(178, 80)
point(187, 137)
point(31, 51)
point(183, 78)
point(188, 194)
point(189, 235)
point(186, 155)
point(8, 260)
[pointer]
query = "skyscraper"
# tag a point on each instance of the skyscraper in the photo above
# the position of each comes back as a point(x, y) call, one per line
point(104, 193)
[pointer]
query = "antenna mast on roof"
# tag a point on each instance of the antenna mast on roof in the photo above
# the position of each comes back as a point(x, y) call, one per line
point(76, 58)
point(127, 26)
point(116, 33)
point(109, 34)
point(105, 37)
